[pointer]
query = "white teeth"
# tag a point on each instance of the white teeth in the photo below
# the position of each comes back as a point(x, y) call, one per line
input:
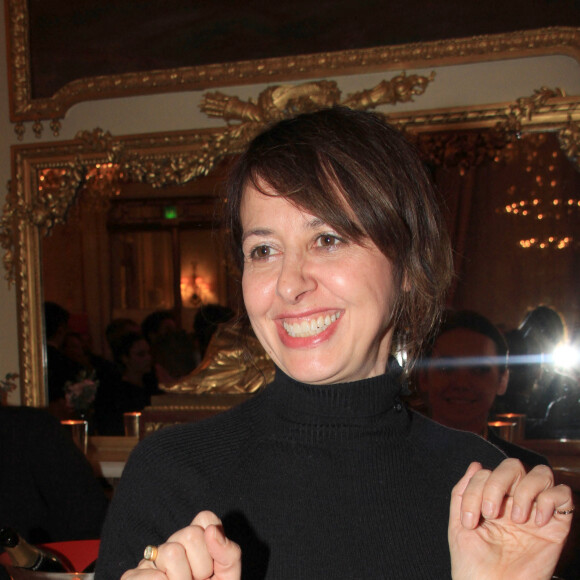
point(312, 327)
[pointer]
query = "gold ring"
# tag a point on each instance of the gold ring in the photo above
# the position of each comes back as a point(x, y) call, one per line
point(150, 553)
point(565, 512)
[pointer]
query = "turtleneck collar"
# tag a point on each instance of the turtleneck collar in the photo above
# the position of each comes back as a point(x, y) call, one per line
point(359, 402)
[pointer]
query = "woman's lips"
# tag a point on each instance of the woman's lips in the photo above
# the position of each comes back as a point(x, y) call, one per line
point(307, 331)
point(310, 327)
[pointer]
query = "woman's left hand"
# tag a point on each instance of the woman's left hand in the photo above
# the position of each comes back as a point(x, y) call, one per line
point(199, 551)
point(503, 524)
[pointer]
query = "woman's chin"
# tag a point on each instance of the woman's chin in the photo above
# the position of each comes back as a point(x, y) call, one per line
point(305, 372)
point(316, 372)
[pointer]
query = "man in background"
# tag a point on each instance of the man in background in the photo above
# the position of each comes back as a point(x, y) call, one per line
point(466, 370)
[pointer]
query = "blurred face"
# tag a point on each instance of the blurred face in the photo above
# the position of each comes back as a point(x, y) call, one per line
point(462, 395)
point(320, 305)
point(139, 359)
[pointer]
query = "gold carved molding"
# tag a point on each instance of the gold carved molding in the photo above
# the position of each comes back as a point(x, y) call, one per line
point(176, 158)
point(569, 138)
point(451, 142)
point(24, 107)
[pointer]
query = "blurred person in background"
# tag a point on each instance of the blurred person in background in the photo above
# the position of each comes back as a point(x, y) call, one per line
point(466, 370)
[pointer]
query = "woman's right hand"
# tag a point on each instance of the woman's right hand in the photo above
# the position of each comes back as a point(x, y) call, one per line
point(200, 551)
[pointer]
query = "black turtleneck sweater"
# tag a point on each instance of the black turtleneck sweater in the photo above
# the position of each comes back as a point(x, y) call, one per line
point(314, 482)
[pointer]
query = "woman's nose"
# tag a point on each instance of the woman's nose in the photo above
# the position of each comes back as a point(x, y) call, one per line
point(296, 278)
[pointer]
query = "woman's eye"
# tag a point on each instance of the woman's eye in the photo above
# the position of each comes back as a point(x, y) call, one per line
point(328, 240)
point(260, 252)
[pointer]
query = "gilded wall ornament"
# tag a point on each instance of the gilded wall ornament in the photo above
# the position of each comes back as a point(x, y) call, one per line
point(469, 148)
point(233, 363)
point(283, 101)
point(569, 138)
point(525, 108)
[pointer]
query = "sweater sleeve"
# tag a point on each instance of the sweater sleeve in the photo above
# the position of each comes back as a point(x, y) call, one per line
point(138, 514)
point(166, 482)
point(169, 478)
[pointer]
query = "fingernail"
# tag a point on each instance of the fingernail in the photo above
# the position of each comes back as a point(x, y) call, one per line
point(468, 520)
point(516, 513)
point(539, 518)
point(487, 509)
point(219, 536)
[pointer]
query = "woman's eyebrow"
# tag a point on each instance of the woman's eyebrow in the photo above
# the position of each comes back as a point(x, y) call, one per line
point(256, 232)
point(315, 223)
point(312, 224)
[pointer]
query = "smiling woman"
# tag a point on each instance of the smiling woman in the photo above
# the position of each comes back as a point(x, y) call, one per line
point(324, 473)
point(305, 279)
point(379, 233)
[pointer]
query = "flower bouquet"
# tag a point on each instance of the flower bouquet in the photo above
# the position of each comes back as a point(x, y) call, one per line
point(80, 395)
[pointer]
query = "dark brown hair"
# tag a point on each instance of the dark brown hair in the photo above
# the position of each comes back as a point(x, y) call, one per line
point(362, 177)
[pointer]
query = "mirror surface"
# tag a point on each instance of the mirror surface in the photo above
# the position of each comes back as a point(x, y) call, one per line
point(140, 250)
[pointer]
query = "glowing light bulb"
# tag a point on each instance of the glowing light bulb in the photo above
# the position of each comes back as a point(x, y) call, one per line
point(566, 356)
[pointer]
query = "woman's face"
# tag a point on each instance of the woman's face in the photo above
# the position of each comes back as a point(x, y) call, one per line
point(320, 305)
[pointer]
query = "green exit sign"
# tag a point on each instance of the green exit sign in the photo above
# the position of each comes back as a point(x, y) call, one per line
point(170, 212)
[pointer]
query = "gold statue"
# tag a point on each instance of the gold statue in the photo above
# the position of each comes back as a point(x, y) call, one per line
point(230, 366)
